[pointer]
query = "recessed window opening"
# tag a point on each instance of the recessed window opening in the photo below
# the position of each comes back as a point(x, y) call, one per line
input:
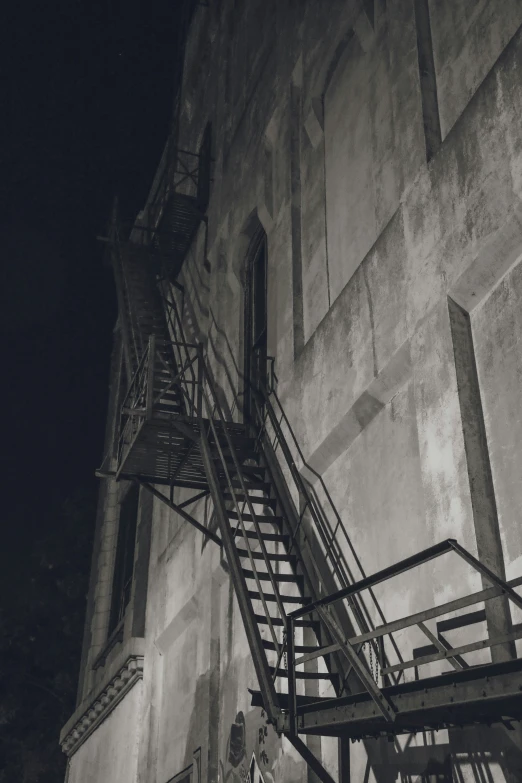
point(124, 560)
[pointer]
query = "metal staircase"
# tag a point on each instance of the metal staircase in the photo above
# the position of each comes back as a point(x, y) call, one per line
point(326, 660)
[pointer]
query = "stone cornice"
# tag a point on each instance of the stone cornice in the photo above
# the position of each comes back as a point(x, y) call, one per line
point(89, 715)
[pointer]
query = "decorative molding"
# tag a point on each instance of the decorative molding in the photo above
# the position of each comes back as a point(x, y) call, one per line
point(120, 684)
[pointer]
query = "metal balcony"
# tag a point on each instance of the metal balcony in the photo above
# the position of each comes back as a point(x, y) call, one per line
point(179, 204)
point(472, 693)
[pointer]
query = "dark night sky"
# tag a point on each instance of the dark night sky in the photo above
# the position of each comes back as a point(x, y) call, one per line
point(89, 87)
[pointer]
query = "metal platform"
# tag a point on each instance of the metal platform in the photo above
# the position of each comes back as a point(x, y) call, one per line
point(165, 449)
point(180, 205)
point(477, 695)
point(176, 230)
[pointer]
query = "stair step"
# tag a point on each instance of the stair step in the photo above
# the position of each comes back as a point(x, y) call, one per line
point(238, 441)
point(286, 599)
point(259, 556)
point(303, 675)
point(264, 501)
point(241, 455)
point(250, 484)
point(232, 514)
point(261, 619)
point(254, 469)
point(171, 393)
point(261, 518)
point(298, 648)
point(265, 536)
point(264, 577)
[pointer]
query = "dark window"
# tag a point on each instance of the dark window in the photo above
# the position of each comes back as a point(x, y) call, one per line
point(256, 319)
point(124, 560)
point(205, 158)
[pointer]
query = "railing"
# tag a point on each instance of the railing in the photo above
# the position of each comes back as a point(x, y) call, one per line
point(268, 424)
point(133, 409)
point(315, 527)
point(184, 356)
point(185, 173)
point(214, 427)
point(166, 383)
point(133, 339)
point(351, 647)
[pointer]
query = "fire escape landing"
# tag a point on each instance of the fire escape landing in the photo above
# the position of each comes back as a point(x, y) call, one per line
point(180, 203)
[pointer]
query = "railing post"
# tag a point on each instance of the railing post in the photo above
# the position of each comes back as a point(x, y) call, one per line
point(200, 382)
point(292, 696)
point(385, 680)
point(150, 377)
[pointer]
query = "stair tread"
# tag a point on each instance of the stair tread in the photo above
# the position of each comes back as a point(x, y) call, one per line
point(263, 576)
point(252, 498)
point(232, 514)
point(298, 648)
point(261, 619)
point(263, 486)
point(283, 539)
point(304, 675)
point(288, 599)
point(260, 556)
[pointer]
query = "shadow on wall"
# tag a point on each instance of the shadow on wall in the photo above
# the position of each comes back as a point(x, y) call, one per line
point(481, 755)
point(195, 736)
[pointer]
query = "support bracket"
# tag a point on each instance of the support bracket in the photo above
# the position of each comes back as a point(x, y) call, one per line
point(188, 517)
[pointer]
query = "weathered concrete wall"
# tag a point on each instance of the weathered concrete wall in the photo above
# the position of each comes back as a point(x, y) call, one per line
point(384, 242)
point(373, 137)
point(394, 293)
point(199, 668)
point(111, 752)
point(468, 38)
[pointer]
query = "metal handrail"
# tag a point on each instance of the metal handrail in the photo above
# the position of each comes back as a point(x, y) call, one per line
point(133, 411)
point(264, 409)
point(181, 349)
point(444, 651)
point(348, 577)
point(210, 402)
point(213, 407)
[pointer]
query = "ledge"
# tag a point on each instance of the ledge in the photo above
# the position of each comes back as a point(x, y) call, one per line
point(125, 672)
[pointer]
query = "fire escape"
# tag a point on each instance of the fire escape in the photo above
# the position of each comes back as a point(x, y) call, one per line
point(327, 661)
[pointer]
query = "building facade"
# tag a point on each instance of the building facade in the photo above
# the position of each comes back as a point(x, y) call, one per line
point(316, 376)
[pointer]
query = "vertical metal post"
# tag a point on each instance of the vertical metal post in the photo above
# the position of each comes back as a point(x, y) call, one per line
point(344, 759)
point(292, 696)
point(150, 377)
point(200, 382)
point(382, 662)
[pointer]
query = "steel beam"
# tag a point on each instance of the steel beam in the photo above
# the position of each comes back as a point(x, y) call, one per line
point(187, 517)
point(310, 759)
point(380, 576)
